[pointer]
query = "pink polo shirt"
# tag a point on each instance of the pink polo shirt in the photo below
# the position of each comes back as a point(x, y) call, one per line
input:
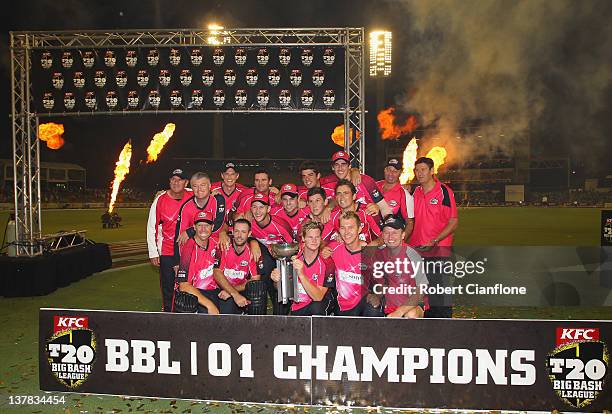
point(432, 211)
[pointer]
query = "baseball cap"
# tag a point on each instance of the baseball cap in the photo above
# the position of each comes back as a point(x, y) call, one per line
point(203, 216)
point(229, 165)
point(179, 173)
point(395, 163)
point(262, 198)
point(341, 155)
point(394, 221)
point(290, 189)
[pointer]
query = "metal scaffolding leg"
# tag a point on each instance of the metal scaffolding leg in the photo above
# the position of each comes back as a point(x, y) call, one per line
point(26, 166)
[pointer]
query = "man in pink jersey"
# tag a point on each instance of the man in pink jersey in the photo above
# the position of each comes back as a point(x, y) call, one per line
point(312, 272)
point(290, 210)
point(435, 221)
point(348, 280)
point(367, 192)
point(311, 177)
point(236, 269)
point(262, 185)
point(400, 287)
point(317, 201)
point(202, 200)
point(369, 231)
point(161, 226)
point(267, 230)
point(228, 187)
point(399, 199)
point(199, 257)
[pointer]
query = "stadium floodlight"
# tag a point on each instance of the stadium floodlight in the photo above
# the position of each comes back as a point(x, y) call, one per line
point(380, 53)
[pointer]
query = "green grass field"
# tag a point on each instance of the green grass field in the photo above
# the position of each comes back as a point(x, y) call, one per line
point(136, 288)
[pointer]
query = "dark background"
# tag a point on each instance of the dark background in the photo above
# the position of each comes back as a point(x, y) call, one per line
point(569, 86)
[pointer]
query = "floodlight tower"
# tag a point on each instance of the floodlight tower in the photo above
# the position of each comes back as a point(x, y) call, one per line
point(380, 68)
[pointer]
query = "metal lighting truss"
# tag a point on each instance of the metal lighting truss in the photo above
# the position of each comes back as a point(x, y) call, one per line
point(26, 166)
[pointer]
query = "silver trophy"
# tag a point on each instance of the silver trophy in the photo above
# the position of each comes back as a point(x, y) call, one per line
point(288, 284)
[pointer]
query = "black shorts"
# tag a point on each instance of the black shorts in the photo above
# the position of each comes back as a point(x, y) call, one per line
point(212, 295)
point(313, 308)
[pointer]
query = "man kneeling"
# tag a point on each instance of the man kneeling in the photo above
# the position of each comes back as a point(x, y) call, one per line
point(236, 269)
point(312, 271)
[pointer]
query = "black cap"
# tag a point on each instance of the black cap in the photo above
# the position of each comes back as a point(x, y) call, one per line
point(394, 221)
point(229, 165)
point(395, 163)
point(179, 173)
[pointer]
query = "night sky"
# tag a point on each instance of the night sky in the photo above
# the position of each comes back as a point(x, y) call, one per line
point(542, 69)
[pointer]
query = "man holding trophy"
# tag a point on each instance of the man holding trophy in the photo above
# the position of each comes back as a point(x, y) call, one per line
point(308, 273)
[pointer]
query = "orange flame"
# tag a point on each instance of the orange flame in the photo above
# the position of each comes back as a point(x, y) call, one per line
point(51, 133)
point(338, 135)
point(158, 141)
point(409, 157)
point(438, 155)
point(390, 129)
point(121, 170)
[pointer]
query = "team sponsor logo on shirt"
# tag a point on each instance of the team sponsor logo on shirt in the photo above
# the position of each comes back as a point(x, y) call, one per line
point(234, 274)
point(206, 272)
point(433, 201)
point(393, 203)
point(350, 277)
point(244, 263)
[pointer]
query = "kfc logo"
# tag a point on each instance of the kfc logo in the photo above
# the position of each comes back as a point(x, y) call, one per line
point(329, 98)
point(284, 98)
point(307, 98)
point(154, 99)
point(565, 335)
point(318, 77)
point(64, 323)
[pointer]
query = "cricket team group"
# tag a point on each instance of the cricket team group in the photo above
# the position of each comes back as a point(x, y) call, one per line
point(211, 239)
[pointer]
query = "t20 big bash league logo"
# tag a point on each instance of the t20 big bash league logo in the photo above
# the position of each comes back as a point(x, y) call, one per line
point(578, 366)
point(71, 350)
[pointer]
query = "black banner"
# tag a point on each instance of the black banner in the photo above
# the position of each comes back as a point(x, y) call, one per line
point(464, 364)
point(188, 78)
